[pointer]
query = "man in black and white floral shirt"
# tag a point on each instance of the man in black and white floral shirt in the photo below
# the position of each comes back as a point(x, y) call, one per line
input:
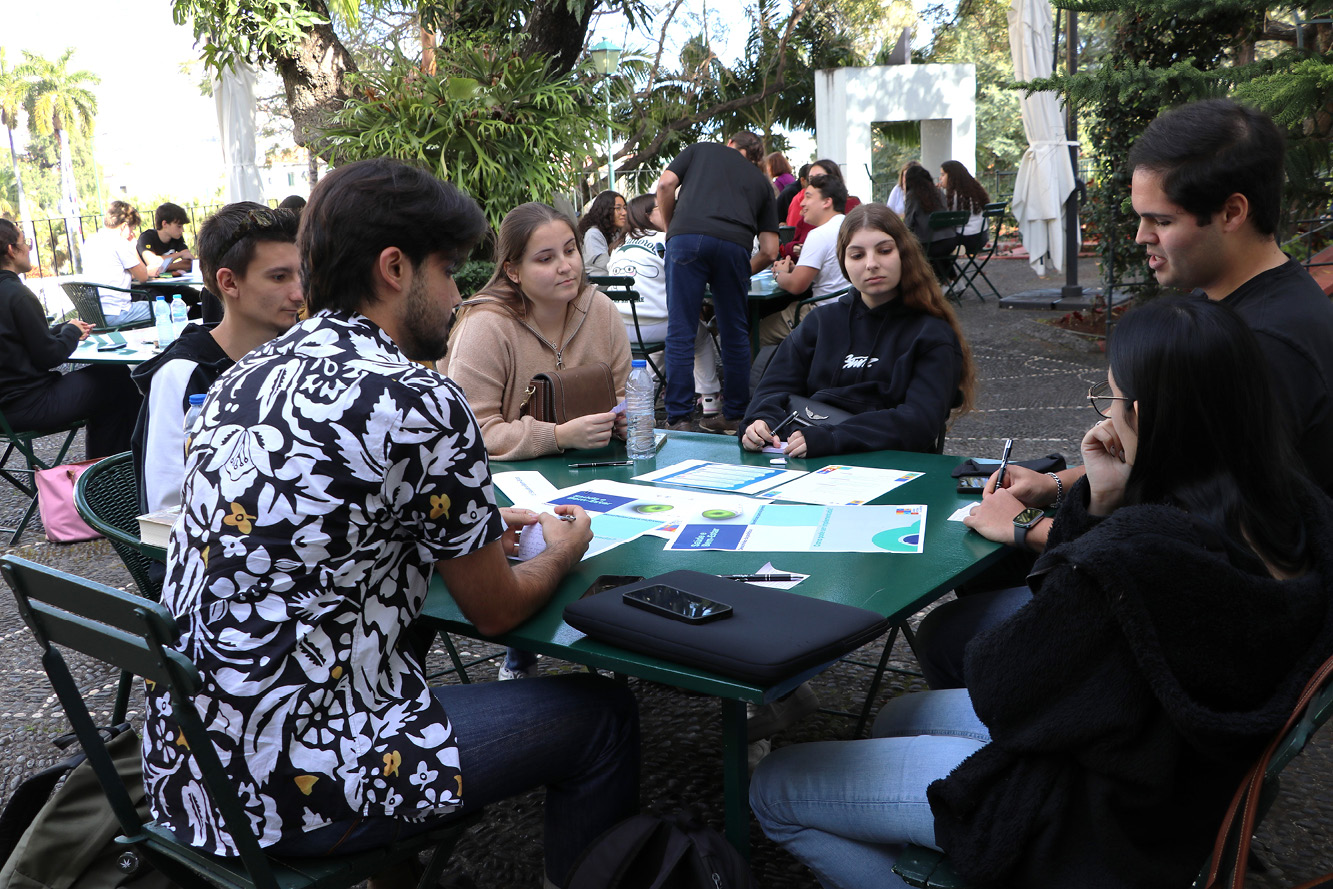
point(328, 476)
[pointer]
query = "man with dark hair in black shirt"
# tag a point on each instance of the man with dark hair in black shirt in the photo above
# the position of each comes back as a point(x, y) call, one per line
point(162, 248)
point(33, 394)
point(725, 201)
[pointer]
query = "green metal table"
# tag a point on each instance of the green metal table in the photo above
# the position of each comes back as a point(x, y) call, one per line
point(893, 585)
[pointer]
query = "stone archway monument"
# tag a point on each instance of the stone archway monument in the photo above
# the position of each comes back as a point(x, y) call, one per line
point(850, 101)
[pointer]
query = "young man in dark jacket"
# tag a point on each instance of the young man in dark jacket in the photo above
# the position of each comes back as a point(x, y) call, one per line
point(249, 259)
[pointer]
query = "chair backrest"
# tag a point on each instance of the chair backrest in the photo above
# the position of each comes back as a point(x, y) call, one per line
point(107, 497)
point(133, 634)
point(948, 219)
point(87, 301)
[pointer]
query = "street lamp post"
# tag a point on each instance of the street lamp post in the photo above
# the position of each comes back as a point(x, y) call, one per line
point(605, 59)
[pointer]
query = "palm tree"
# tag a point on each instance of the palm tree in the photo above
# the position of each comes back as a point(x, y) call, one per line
point(60, 101)
point(13, 96)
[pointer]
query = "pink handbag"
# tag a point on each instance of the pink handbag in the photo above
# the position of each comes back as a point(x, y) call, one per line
point(55, 503)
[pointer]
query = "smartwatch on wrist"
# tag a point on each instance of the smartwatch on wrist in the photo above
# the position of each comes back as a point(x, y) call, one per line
point(1024, 521)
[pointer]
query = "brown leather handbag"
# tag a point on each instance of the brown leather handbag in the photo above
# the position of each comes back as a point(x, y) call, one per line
point(561, 395)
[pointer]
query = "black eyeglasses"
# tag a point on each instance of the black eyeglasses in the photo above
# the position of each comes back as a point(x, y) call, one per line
point(1100, 397)
point(257, 221)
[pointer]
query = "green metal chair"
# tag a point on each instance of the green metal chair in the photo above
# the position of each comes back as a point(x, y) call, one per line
point(87, 302)
point(21, 445)
point(121, 629)
point(969, 267)
point(621, 289)
point(941, 252)
point(107, 497)
point(931, 869)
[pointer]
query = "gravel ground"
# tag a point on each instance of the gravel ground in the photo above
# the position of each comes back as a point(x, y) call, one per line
point(1033, 380)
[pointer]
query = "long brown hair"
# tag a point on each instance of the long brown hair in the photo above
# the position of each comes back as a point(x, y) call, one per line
point(515, 231)
point(963, 191)
point(921, 188)
point(918, 289)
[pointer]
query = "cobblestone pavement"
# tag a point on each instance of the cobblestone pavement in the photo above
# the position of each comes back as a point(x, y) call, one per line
point(1033, 380)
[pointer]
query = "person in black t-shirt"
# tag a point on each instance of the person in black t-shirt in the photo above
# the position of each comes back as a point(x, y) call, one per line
point(163, 248)
point(725, 201)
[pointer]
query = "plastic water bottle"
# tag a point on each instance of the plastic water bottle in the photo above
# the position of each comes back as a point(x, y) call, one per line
point(180, 316)
point(639, 399)
point(191, 414)
point(162, 320)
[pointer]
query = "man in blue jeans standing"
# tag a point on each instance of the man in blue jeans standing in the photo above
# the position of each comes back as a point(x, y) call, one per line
point(725, 201)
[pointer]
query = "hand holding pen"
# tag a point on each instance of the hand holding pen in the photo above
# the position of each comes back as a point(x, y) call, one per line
point(1004, 462)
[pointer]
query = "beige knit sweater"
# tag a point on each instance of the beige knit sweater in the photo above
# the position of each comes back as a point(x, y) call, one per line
point(493, 356)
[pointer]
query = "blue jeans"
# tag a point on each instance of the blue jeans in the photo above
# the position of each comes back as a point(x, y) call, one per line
point(942, 639)
point(846, 808)
point(138, 311)
point(695, 263)
point(577, 735)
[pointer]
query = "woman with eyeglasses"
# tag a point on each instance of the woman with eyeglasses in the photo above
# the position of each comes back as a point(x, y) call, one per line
point(1186, 598)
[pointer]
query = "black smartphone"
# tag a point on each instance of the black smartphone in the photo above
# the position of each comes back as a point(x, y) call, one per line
point(677, 604)
point(610, 582)
point(971, 484)
point(110, 342)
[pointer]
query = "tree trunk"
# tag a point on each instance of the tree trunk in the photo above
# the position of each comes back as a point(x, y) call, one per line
point(314, 77)
point(69, 198)
point(553, 31)
point(24, 215)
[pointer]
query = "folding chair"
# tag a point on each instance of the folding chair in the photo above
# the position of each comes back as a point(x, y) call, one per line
point(940, 253)
point(972, 266)
point(88, 303)
point(621, 289)
point(24, 479)
point(931, 869)
point(125, 631)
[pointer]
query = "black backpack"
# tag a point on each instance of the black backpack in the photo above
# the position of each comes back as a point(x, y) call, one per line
point(660, 852)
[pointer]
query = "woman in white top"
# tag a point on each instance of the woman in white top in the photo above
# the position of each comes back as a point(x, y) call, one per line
point(898, 197)
point(641, 258)
point(109, 258)
point(602, 230)
point(963, 192)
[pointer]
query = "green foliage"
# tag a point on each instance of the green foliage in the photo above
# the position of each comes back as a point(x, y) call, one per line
point(980, 36)
point(496, 124)
point(248, 30)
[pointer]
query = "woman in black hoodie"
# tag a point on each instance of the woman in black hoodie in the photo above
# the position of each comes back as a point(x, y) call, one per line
point(1185, 599)
point(891, 353)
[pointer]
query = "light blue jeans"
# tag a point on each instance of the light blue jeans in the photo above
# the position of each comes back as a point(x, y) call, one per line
point(846, 808)
point(138, 311)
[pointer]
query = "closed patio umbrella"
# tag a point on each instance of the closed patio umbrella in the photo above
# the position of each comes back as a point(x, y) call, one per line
point(234, 93)
point(1045, 174)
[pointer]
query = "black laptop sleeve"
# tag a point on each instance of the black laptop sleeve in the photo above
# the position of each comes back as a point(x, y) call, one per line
point(770, 635)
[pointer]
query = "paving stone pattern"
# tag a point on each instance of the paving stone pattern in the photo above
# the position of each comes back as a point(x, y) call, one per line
point(1033, 380)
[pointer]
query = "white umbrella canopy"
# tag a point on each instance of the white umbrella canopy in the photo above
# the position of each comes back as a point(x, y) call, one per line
point(234, 93)
point(1045, 174)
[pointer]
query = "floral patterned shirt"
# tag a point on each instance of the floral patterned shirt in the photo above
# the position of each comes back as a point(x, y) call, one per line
point(325, 477)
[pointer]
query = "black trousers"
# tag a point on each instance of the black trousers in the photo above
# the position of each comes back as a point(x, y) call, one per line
point(102, 394)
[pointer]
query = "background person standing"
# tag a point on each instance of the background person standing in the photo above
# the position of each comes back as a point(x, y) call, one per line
point(725, 202)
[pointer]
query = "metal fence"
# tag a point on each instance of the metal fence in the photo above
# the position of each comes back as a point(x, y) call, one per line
point(57, 245)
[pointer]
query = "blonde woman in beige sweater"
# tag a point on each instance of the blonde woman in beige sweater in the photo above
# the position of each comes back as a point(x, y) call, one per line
point(536, 314)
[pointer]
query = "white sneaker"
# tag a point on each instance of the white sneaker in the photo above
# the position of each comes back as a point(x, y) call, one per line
point(766, 720)
point(711, 404)
point(504, 674)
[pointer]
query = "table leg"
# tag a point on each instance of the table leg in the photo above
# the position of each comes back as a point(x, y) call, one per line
point(736, 775)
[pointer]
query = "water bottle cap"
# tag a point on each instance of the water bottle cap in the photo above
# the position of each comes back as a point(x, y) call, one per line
point(639, 362)
point(161, 299)
point(197, 399)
